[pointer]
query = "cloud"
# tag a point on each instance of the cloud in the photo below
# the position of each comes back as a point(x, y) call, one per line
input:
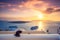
point(52, 10)
point(47, 6)
point(13, 1)
point(53, 2)
point(49, 10)
point(57, 10)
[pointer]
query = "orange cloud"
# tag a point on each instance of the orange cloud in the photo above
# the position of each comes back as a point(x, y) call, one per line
point(28, 8)
point(39, 5)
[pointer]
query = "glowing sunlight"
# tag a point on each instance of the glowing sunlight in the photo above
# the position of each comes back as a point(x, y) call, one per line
point(40, 24)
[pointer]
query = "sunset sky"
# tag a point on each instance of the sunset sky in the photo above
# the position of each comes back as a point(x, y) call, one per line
point(27, 10)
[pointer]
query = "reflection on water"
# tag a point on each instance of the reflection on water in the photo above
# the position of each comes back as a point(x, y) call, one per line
point(40, 25)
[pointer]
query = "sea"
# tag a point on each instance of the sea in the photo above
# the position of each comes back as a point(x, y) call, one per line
point(26, 26)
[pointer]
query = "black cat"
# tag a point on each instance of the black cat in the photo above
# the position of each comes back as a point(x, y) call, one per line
point(17, 34)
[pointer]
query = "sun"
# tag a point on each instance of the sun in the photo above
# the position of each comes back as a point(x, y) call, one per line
point(40, 16)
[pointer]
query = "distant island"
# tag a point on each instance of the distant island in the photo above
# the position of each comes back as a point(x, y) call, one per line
point(18, 21)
